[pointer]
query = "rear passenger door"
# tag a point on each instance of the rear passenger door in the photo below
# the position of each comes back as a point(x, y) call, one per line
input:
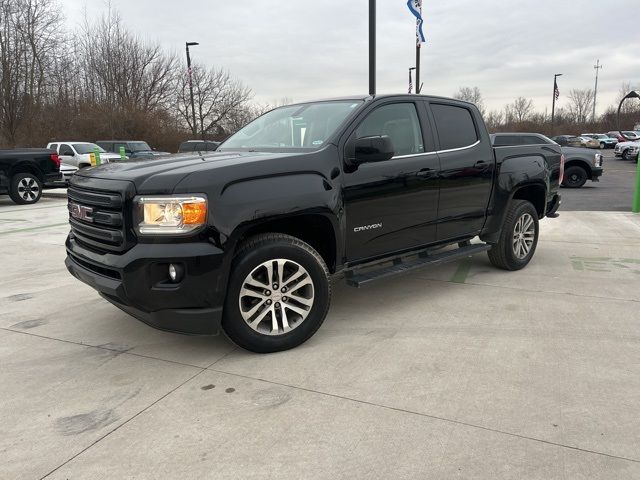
point(467, 165)
point(67, 155)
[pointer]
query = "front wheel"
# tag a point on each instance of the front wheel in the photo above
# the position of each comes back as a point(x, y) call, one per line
point(518, 239)
point(575, 177)
point(626, 155)
point(25, 189)
point(278, 296)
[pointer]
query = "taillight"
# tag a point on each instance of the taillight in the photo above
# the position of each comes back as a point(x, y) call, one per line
point(561, 169)
point(56, 160)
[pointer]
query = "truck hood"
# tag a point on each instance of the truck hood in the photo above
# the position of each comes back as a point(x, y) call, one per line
point(161, 175)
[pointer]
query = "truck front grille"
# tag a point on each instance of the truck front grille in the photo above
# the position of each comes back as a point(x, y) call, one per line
point(97, 219)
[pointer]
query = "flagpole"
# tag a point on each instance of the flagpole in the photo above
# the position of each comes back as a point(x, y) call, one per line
point(372, 47)
point(417, 66)
point(553, 103)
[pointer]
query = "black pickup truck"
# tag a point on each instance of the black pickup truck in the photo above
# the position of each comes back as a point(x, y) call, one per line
point(24, 172)
point(247, 237)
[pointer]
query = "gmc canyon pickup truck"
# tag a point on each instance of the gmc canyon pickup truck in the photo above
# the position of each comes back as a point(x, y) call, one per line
point(247, 237)
point(24, 173)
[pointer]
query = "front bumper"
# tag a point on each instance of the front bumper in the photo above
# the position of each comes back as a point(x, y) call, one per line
point(596, 173)
point(137, 283)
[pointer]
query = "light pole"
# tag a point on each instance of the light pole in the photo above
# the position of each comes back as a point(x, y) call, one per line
point(193, 104)
point(597, 67)
point(556, 93)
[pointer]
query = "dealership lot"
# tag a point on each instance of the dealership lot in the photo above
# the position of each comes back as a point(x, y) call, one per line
point(454, 372)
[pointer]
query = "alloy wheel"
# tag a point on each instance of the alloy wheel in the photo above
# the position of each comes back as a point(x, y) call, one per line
point(523, 236)
point(28, 189)
point(276, 296)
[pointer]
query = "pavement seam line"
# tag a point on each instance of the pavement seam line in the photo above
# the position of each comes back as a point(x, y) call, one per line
point(40, 227)
point(30, 209)
point(532, 291)
point(122, 352)
point(124, 423)
point(426, 415)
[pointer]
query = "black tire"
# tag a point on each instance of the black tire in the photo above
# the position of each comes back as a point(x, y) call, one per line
point(602, 146)
point(502, 254)
point(251, 255)
point(25, 189)
point(626, 155)
point(574, 177)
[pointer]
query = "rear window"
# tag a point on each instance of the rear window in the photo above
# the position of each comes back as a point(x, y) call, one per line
point(506, 140)
point(455, 126)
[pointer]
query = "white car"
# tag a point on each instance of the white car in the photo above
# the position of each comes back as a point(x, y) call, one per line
point(627, 150)
point(78, 154)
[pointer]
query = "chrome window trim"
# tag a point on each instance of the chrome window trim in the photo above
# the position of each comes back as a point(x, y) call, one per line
point(477, 142)
point(436, 152)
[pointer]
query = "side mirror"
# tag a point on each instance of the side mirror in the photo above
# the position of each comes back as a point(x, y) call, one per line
point(372, 149)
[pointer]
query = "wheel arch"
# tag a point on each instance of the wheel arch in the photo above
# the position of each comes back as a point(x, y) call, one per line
point(578, 162)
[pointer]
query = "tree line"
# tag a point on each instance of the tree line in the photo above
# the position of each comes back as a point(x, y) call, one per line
point(573, 117)
point(103, 82)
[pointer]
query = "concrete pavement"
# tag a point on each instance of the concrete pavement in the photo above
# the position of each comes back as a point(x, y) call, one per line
point(461, 371)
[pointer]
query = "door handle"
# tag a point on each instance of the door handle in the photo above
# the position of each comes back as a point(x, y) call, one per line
point(425, 173)
point(480, 164)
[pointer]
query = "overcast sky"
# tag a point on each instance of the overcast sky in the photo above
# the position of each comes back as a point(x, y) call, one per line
point(313, 49)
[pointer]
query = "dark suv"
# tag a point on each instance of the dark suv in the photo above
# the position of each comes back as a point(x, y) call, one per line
point(132, 149)
point(198, 146)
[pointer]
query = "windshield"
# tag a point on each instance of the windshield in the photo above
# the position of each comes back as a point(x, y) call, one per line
point(84, 148)
point(138, 147)
point(306, 126)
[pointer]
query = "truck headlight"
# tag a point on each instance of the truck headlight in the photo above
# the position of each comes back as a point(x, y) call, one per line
point(170, 215)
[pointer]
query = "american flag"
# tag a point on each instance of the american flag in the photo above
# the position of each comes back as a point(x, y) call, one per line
point(556, 91)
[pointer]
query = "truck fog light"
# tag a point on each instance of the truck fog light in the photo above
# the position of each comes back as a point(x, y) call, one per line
point(175, 273)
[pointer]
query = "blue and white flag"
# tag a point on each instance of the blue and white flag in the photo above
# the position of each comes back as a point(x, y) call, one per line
point(415, 7)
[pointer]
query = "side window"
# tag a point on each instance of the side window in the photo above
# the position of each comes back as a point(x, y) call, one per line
point(66, 150)
point(455, 126)
point(507, 141)
point(400, 122)
point(201, 147)
point(115, 147)
point(531, 140)
point(53, 146)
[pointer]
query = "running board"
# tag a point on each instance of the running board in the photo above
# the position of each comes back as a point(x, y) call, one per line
point(424, 259)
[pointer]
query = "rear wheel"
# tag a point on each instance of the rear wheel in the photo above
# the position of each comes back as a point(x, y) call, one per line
point(25, 189)
point(602, 146)
point(278, 295)
point(518, 239)
point(575, 177)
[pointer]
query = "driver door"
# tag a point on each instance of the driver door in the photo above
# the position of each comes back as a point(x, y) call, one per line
point(392, 205)
point(68, 155)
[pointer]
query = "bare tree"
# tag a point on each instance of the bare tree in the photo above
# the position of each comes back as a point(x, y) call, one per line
point(473, 95)
point(494, 120)
point(220, 100)
point(580, 104)
point(30, 41)
point(519, 111)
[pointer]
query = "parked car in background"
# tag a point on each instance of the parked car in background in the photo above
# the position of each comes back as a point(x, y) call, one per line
point(605, 140)
point(66, 172)
point(24, 172)
point(567, 140)
point(580, 164)
point(629, 134)
point(627, 150)
point(587, 142)
point(132, 148)
point(78, 154)
point(198, 146)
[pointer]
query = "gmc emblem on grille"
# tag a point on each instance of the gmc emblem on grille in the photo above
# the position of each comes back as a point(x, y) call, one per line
point(80, 212)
